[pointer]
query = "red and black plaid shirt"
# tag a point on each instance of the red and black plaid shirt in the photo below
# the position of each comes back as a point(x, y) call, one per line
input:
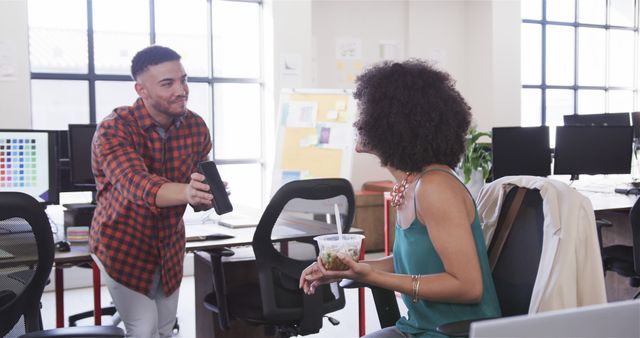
point(131, 160)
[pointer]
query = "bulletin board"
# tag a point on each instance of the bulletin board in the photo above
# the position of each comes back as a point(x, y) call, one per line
point(315, 135)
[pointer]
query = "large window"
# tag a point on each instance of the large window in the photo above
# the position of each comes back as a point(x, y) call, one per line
point(578, 57)
point(81, 50)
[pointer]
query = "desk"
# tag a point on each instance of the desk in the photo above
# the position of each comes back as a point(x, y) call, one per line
point(600, 189)
point(615, 208)
point(243, 267)
point(78, 255)
point(283, 232)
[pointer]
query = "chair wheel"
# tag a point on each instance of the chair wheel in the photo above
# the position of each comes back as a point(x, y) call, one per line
point(176, 327)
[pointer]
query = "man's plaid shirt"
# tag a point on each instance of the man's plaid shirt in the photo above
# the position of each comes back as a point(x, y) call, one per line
point(131, 159)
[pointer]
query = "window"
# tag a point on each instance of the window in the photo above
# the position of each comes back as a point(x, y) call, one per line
point(578, 57)
point(81, 50)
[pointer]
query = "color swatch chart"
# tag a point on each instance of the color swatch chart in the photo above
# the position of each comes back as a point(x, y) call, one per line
point(18, 162)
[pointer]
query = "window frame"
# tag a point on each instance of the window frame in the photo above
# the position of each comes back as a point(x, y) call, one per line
point(91, 77)
point(575, 87)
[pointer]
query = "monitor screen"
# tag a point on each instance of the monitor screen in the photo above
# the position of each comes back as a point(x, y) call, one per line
point(80, 137)
point(520, 151)
point(593, 150)
point(608, 119)
point(28, 164)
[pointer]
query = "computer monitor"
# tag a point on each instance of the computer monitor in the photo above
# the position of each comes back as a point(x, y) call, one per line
point(635, 122)
point(608, 119)
point(28, 164)
point(80, 137)
point(593, 150)
point(520, 151)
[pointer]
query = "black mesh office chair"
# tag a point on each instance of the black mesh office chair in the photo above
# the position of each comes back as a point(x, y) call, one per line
point(514, 255)
point(26, 259)
point(274, 300)
point(625, 259)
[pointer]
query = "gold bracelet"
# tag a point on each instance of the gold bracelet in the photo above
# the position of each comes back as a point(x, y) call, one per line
point(415, 284)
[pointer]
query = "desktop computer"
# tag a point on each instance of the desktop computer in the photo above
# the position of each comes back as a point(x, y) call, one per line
point(78, 214)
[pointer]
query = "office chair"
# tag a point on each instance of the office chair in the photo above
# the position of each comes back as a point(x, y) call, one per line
point(514, 255)
point(27, 258)
point(274, 300)
point(625, 259)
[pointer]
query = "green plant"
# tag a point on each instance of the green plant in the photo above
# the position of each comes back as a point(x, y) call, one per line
point(477, 155)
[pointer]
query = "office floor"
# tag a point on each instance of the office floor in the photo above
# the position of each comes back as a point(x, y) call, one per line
point(81, 299)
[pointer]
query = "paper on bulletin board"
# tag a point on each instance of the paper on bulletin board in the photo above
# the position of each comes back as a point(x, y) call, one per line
point(333, 135)
point(301, 114)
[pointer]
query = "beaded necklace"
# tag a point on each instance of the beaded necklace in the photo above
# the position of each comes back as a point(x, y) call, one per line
point(398, 191)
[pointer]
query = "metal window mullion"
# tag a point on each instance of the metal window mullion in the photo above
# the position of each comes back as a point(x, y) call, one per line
point(575, 58)
point(250, 160)
point(607, 59)
point(235, 80)
point(152, 22)
point(543, 91)
point(211, 73)
point(578, 24)
point(59, 76)
point(85, 77)
point(636, 51)
point(91, 71)
point(261, 112)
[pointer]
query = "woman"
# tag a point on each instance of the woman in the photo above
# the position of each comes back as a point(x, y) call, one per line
point(415, 121)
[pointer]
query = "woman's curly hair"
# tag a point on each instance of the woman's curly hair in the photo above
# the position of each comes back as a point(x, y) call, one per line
point(411, 115)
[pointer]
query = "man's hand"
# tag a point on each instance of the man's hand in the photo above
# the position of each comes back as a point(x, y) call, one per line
point(197, 192)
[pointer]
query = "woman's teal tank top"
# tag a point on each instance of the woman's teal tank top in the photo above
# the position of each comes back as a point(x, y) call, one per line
point(414, 254)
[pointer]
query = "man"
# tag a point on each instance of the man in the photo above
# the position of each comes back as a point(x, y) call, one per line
point(144, 159)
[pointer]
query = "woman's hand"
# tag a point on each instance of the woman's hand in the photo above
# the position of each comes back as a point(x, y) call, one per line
point(316, 274)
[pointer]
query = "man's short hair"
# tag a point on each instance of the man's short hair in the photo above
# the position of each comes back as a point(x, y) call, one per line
point(151, 56)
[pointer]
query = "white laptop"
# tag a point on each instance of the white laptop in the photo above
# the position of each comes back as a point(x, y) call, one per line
point(616, 319)
point(236, 221)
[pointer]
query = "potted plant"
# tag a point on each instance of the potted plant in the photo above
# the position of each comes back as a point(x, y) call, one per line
point(477, 158)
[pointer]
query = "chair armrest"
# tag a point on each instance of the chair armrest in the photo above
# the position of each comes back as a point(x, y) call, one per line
point(459, 328)
point(351, 284)
point(79, 331)
point(6, 296)
point(384, 299)
point(216, 301)
point(455, 329)
point(603, 223)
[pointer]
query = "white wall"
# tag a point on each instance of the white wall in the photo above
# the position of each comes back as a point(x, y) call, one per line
point(370, 22)
point(476, 41)
point(14, 65)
